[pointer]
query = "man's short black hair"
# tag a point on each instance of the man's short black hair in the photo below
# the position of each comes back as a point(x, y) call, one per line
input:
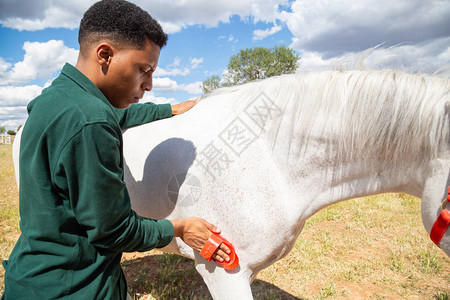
point(121, 22)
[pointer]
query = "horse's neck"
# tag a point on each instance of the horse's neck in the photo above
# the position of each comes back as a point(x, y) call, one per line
point(317, 179)
point(311, 156)
point(335, 136)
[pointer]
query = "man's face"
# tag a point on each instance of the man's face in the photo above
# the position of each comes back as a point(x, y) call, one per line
point(130, 74)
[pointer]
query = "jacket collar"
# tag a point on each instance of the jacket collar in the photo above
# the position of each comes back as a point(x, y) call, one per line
point(85, 83)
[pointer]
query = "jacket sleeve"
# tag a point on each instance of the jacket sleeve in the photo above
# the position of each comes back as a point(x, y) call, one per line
point(141, 113)
point(91, 164)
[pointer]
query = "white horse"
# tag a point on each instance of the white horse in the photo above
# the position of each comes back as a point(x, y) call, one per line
point(257, 160)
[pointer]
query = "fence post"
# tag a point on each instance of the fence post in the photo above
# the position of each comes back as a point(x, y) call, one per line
point(5, 139)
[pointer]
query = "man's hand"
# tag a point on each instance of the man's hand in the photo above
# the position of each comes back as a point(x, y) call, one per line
point(184, 106)
point(195, 232)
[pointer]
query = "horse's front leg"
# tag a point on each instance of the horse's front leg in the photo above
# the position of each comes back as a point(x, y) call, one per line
point(224, 284)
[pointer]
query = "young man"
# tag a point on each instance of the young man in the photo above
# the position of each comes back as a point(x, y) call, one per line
point(76, 217)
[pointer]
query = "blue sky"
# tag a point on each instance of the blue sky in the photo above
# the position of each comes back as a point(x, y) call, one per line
point(38, 37)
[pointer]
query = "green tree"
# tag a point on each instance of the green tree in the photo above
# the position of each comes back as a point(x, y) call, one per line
point(2, 129)
point(255, 63)
point(18, 128)
point(11, 132)
point(211, 83)
point(260, 63)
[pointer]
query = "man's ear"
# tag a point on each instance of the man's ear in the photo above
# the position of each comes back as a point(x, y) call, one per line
point(104, 54)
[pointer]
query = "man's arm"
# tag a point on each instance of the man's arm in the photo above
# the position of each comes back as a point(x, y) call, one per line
point(141, 113)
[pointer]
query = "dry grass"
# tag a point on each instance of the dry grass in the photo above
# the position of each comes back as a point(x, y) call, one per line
point(370, 248)
point(9, 207)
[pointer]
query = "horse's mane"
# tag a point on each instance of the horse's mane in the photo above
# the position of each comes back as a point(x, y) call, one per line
point(388, 114)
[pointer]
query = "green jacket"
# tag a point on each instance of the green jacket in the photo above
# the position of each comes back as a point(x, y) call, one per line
point(76, 216)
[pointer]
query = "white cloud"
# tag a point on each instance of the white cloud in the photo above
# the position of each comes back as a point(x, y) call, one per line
point(150, 97)
point(195, 62)
point(175, 15)
point(313, 61)
point(427, 57)
point(262, 34)
point(172, 72)
point(13, 103)
point(230, 40)
point(37, 15)
point(18, 95)
point(12, 117)
point(176, 62)
point(4, 65)
point(41, 60)
point(328, 31)
point(170, 27)
point(172, 15)
point(164, 84)
point(192, 88)
point(168, 85)
point(333, 28)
